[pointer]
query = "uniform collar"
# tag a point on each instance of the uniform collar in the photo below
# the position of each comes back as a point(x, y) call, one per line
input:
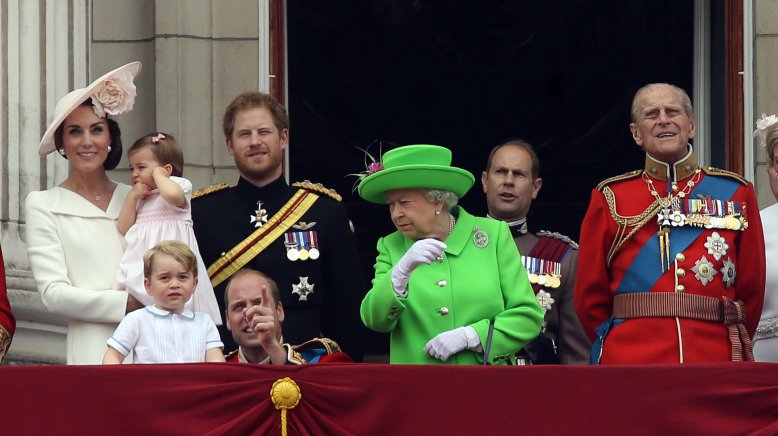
point(518, 228)
point(162, 312)
point(273, 189)
point(682, 169)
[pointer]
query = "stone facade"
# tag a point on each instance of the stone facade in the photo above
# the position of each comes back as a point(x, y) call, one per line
point(765, 79)
point(196, 54)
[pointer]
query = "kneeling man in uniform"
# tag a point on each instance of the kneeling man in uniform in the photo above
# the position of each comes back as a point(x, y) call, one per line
point(254, 314)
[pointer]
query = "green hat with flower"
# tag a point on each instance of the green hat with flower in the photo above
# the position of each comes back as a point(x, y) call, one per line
point(414, 166)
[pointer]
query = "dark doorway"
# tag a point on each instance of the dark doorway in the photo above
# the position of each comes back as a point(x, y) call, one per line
point(469, 75)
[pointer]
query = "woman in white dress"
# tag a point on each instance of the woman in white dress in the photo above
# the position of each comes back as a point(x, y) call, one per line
point(766, 338)
point(73, 242)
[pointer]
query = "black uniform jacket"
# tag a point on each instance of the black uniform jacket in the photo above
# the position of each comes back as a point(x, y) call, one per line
point(329, 304)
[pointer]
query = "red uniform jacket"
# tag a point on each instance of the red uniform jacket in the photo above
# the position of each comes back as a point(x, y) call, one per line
point(736, 271)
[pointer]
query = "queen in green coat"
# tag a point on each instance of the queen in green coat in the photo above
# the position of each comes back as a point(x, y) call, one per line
point(448, 286)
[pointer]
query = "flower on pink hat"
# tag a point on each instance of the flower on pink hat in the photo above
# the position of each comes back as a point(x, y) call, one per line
point(115, 96)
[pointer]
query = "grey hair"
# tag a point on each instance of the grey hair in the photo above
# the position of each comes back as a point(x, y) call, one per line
point(448, 198)
point(685, 100)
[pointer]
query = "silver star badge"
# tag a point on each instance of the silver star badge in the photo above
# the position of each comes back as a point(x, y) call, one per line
point(303, 288)
point(717, 246)
point(728, 273)
point(703, 270)
point(544, 300)
point(260, 216)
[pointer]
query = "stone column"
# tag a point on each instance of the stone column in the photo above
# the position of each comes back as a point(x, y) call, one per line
point(765, 85)
point(197, 55)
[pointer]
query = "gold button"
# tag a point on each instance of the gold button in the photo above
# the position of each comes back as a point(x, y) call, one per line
point(444, 311)
point(680, 257)
point(442, 283)
point(680, 272)
point(680, 288)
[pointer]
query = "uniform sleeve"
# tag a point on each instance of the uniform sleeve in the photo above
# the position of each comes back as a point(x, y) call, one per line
point(7, 319)
point(381, 307)
point(47, 261)
point(750, 279)
point(345, 286)
point(573, 344)
point(520, 322)
point(593, 298)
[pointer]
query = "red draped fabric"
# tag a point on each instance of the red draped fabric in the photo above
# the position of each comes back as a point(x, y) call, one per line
point(364, 399)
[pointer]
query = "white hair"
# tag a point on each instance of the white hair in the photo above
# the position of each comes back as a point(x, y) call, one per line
point(448, 198)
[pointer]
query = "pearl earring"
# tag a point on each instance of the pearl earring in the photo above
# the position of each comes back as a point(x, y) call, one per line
point(109, 149)
point(437, 212)
point(61, 151)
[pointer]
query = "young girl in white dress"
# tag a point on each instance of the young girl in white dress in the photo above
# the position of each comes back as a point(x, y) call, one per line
point(159, 208)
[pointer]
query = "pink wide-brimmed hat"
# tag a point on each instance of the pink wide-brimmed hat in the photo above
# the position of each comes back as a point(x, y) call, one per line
point(112, 95)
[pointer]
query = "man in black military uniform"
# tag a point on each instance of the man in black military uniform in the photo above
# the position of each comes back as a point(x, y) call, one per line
point(300, 235)
point(511, 181)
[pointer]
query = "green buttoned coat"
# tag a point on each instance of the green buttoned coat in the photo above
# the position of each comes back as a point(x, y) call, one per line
point(476, 285)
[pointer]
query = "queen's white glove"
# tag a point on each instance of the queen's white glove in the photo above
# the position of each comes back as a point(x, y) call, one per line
point(422, 251)
point(448, 343)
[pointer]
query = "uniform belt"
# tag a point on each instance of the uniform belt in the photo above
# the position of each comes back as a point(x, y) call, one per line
point(701, 307)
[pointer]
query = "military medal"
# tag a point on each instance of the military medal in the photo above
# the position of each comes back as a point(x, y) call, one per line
point(304, 254)
point(259, 218)
point(311, 242)
point(303, 288)
point(717, 246)
point(703, 270)
point(292, 253)
point(480, 238)
point(728, 273)
point(544, 300)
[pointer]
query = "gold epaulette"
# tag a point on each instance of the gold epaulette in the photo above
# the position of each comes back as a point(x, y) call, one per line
point(711, 171)
point(561, 237)
point(625, 176)
point(209, 190)
point(326, 343)
point(229, 355)
point(317, 187)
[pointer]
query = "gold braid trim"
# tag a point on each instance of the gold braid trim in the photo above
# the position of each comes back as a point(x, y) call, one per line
point(209, 190)
point(318, 187)
point(247, 249)
point(5, 342)
point(624, 222)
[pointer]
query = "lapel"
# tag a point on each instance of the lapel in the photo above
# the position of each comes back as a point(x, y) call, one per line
point(67, 202)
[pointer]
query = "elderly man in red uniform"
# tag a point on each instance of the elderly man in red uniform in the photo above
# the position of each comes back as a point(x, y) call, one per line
point(671, 261)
